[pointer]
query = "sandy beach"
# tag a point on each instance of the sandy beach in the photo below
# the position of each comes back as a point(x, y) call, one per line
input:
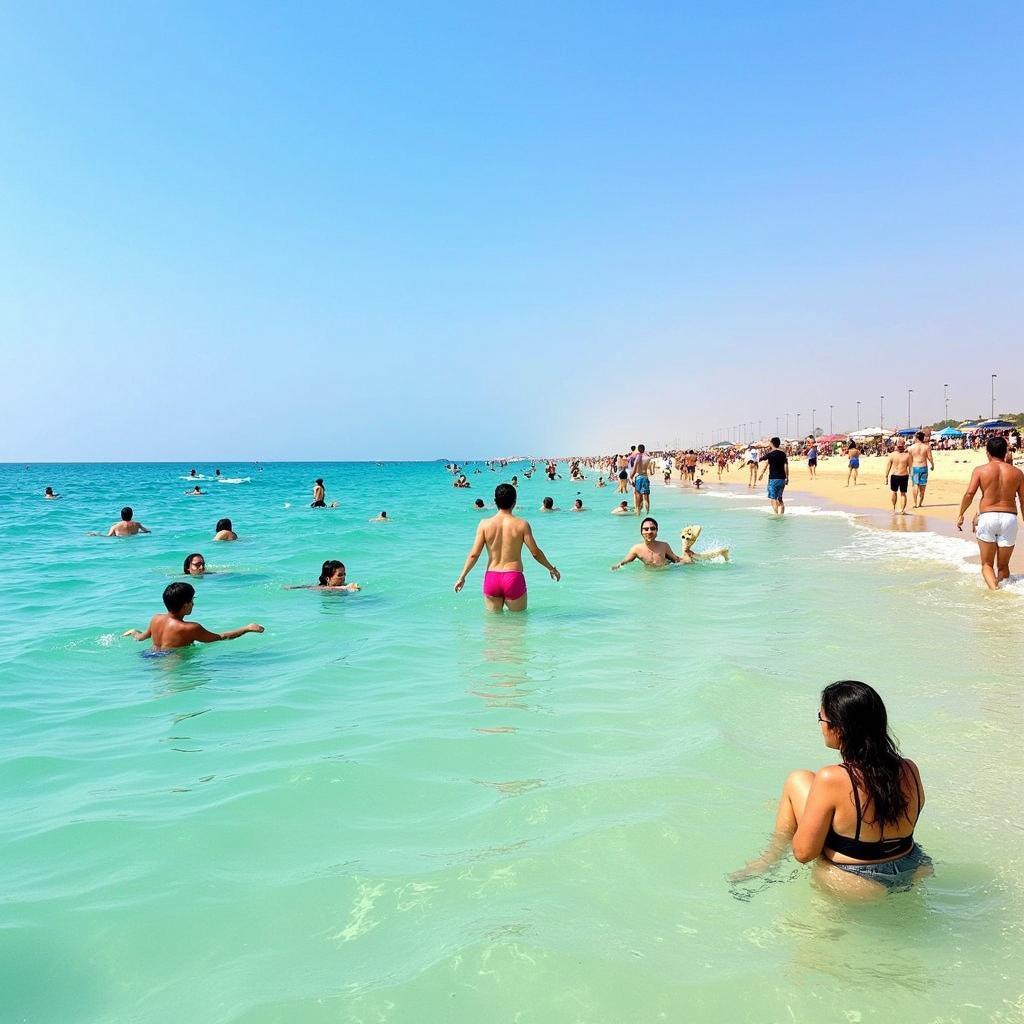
point(871, 495)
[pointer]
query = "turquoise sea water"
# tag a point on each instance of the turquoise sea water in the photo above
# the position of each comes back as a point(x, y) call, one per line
point(393, 807)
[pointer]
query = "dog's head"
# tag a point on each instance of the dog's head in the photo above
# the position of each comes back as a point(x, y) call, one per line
point(689, 535)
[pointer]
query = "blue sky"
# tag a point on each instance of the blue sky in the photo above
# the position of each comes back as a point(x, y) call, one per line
point(431, 230)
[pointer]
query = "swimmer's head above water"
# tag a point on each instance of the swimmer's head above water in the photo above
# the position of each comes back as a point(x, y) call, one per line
point(195, 564)
point(332, 573)
point(649, 528)
point(127, 514)
point(548, 504)
point(223, 524)
point(505, 497)
point(479, 503)
point(178, 598)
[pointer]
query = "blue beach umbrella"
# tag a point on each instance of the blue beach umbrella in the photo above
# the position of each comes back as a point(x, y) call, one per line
point(950, 432)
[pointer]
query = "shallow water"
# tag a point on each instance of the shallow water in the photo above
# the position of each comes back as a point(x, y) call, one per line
point(392, 807)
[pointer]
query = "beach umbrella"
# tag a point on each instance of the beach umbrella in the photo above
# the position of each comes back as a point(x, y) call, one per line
point(722, 444)
point(950, 432)
point(872, 432)
point(996, 425)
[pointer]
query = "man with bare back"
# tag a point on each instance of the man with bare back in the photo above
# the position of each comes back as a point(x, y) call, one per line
point(1002, 489)
point(504, 535)
point(921, 454)
point(170, 630)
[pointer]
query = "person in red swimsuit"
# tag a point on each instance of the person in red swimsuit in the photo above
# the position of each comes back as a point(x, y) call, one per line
point(504, 535)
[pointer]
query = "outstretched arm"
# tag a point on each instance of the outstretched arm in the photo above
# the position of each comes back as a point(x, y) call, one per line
point(200, 634)
point(629, 558)
point(968, 499)
point(471, 559)
point(136, 635)
point(539, 555)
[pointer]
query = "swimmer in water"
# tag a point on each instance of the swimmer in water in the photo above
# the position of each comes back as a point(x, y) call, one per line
point(652, 552)
point(318, 494)
point(504, 535)
point(195, 490)
point(195, 565)
point(548, 505)
point(224, 530)
point(577, 505)
point(332, 577)
point(49, 495)
point(170, 630)
point(622, 509)
point(600, 482)
point(127, 527)
point(479, 505)
point(382, 518)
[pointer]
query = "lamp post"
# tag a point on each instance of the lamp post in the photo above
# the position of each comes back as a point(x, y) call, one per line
point(798, 424)
point(759, 429)
point(945, 395)
point(830, 430)
point(813, 411)
point(993, 410)
point(858, 415)
point(910, 391)
point(787, 424)
point(776, 425)
point(881, 412)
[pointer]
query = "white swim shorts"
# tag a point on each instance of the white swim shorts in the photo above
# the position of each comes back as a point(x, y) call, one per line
point(998, 528)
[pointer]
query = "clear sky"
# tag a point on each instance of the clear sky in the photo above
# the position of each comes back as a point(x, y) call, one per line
point(299, 231)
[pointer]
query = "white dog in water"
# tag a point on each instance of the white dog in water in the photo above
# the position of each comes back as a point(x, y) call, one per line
point(689, 535)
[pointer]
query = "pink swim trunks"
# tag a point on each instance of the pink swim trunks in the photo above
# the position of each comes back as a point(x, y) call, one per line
point(510, 585)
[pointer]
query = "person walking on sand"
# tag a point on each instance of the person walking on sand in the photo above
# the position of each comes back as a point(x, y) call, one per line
point(1002, 490)
point(776, 465)
point(504, 535)
point(853, 454)
point(812, 457)
point(921, 454)
point(170, 630)
point(897, 473)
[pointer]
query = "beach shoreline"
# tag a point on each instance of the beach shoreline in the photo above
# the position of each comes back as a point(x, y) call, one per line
point(869, 500)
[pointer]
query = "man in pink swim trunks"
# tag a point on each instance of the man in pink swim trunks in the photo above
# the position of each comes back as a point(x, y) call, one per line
point(504, 535)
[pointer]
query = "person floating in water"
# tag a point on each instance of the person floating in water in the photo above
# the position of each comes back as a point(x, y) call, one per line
point(224, 530)
point(195, 565)
point(577, 505)
point(126, 527)
point(548, 505)
point(382, 518)
point(170, 630)
point(622, 509)
point(479, 505)
point(195, 490)
point(49, 495)
point(652, 552)
point(332, 577)
point(504, 535)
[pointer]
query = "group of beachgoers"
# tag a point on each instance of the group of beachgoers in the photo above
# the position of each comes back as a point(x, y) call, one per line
point(856, 819)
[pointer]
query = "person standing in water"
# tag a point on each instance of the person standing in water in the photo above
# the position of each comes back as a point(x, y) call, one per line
point(1002, 491)
point(921, 453)
point(318, 494)
point(640, 475)
point(853, 468)
point(776, 465)
point(126, 527)
point(224, 530)
point(504, 535)
point(170, 630)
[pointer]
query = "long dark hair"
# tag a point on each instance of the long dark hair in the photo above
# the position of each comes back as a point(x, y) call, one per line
point(328, 568)
point(858, 715)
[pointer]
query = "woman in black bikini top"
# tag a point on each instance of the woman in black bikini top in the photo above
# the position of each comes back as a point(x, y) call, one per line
point(873, 789)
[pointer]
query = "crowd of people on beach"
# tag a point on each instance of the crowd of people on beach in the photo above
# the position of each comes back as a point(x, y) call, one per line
point(855, 820)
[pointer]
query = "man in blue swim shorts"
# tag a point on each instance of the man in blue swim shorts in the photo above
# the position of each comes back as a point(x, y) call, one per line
point(641, 469)
point(922, 458)
point(776, 465)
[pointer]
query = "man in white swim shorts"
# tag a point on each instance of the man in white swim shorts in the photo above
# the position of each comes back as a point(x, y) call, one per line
point(1002, 491)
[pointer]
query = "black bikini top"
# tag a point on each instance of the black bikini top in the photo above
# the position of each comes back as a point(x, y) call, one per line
point(879, 849)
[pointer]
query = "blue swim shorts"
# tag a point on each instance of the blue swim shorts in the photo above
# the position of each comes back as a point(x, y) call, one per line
point(775, 489)
point(919, 476)
point(641, 484)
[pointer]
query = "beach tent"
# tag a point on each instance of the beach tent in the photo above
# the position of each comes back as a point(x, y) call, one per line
point(950, 432)
point(996, 425)
point(871, 432)
point(907, 432)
